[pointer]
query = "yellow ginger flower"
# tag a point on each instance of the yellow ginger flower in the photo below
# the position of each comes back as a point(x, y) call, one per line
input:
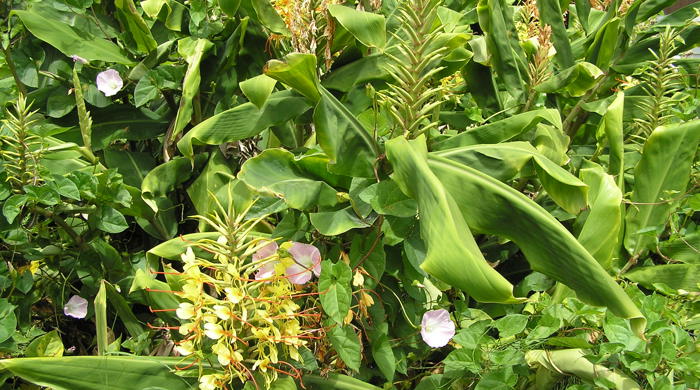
point(223, 312)
point(186, 311)
point(185, 348)
point(210, 382)
point(187, 328)
point(225, 355)
point(234, 295)
point(214, 331)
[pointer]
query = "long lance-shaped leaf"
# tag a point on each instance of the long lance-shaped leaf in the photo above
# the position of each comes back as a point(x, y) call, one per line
point(677, 276)
point(660, 177)
point(492, 207)
point(611, 128)
point(601, 233)
point(552, 15)
point(193, 51)
point(68, 40)
point(98, 372)
point(137, 31)
point(496, 19)
point(574, 362)
point(503, 161)
point(243, 121)
point(502, 130)
point(452, 254)
point(347, 143)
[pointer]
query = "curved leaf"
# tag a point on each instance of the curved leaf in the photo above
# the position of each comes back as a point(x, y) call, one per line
point(502, 130)
point(277, 172)
point(600, 234)
point(503, 161)
point(575, 80)
point(98, 372)
point(367, 27)
point(492, 207)
point(676, 276)
point(452, 254)
point(243, 121)
point(69, 41)
point(659, 178)
point(574, 362)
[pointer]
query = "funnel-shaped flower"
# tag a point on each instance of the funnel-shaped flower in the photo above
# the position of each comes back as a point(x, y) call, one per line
point(267, 270)
point(307, 260)
point(76, 307)
point(109, 82)
point(437, 329)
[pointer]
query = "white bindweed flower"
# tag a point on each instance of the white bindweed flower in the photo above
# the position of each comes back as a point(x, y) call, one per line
point(267, 270)
point(76, 307)
point(437, 329)
point(109, 82)
point(307, 261)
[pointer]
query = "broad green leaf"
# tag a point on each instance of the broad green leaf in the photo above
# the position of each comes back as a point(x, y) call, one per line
point(335, 282)
point(243, 121)
point(278, 173)
point(100, 303)
point(600, 52)
point(337, 382)
point(575, 80)
point(193, 52)
point(65, 187)
point(481, 85)
point(492, 207)
point(333, 223)
point(600, 234)
point(685, 249)
point(677, 276)
point(659, 178)
point(8, 320)
point(502, 130)
point(510, 325)
point(258, 89)
point(47, 345)
point(174, 14)
point(266, 15)
point(173, 248)
point(574, 362)
point(346, 344)
point(137, 32)
point(146, 290)
point(453, 256)
point(98, 372)
point(367, 27)
point(642, 51)
point(70, 41)
point(110, 220)
point(347, 143)
point(133, 166)
point(13, 206)
point(124, 311)
point(505, 160)
point(508, 58)
point(229, 6)
point(381, 350)
point(216, 175)
point(163, 179)
point(551, 14)
point(387, 198)
point(611, 128)
point(298, 71)
point(344, 78)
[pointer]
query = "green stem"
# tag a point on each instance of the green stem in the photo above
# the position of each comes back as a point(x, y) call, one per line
point(11, 64)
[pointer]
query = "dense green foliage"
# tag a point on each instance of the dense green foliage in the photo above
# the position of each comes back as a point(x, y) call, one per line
point(283, 194)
